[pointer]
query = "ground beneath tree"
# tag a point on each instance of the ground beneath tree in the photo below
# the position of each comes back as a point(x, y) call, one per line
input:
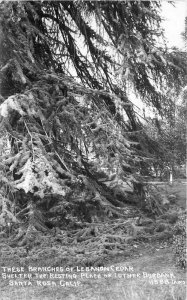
point(150, 273)
point(168, 282)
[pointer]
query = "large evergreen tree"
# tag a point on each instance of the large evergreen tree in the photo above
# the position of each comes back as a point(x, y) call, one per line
point(74, 142)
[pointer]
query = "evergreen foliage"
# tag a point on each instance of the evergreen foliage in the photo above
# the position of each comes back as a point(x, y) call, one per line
point(74, 142)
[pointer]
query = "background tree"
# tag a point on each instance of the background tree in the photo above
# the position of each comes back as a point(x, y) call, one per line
point(170, 137)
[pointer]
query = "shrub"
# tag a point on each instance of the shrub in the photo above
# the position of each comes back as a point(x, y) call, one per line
point(179, 241)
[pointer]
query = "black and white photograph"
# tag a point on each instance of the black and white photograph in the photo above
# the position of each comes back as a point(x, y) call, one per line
point(93, 110)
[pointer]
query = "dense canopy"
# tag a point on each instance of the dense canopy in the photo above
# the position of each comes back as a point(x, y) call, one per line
point(72, 141)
